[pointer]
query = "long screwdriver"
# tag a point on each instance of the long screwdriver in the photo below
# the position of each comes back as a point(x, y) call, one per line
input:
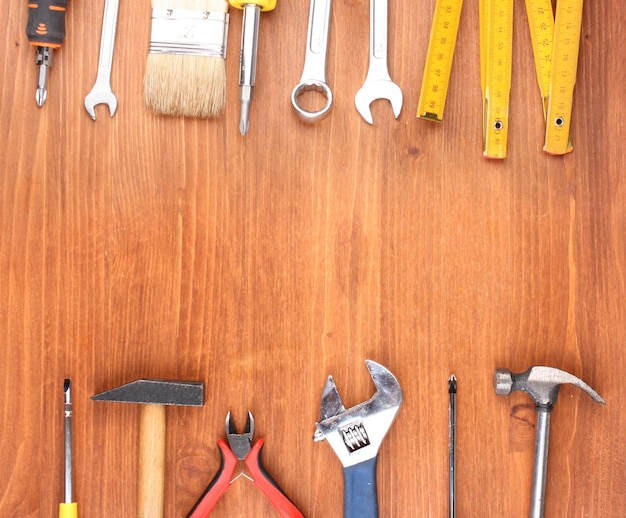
point(452, 445)
point(45, 29)
point(247, 58)
point(68, 509)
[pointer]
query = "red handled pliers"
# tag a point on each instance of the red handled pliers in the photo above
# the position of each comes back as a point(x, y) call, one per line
point(240, 447)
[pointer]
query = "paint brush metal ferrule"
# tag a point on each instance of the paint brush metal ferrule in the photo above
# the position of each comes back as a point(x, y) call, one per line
point(189, 32)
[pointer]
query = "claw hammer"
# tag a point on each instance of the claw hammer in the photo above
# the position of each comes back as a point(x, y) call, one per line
point(542, 384)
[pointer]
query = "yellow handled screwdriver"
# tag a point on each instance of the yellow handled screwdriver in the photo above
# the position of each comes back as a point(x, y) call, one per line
point(45, 29)
point(68, 509)
point(247, 57)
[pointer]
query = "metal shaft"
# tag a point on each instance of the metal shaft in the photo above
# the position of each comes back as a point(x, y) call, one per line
point(68, 440)
point(43, 58)
point(542, 439)
point(452, 444)
point(247, 61)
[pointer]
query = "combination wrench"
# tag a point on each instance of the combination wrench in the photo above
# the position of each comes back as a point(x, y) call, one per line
point(378, 83)
point(314, 73)
point(101, 92)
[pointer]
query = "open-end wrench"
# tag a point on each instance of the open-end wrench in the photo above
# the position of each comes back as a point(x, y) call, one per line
point(101, 92)
point(356, 434)
point(378, 83)
point(314, 73)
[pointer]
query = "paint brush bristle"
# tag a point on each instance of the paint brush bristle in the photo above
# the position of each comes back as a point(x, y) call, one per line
point(186, 71)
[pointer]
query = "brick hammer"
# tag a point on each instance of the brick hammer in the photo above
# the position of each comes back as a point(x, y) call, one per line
point(154, 394)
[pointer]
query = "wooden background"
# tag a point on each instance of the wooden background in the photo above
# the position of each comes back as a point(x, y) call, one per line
point(142, 246)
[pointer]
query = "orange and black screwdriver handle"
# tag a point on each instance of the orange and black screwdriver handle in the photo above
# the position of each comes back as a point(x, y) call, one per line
point(46, 22)
point(222, 480)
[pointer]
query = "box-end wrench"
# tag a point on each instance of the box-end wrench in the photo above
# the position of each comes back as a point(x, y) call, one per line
point(314, 73)
point(101, 92)
point(356, 434)
point(378, 83)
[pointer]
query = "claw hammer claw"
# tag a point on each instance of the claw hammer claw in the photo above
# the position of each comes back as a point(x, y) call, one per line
point(356, 435)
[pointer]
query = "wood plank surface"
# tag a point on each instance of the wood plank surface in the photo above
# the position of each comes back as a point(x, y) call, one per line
point(142, 246)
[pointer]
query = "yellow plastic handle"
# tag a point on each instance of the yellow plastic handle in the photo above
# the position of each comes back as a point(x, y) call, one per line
point(265, 5)
point(68, 510)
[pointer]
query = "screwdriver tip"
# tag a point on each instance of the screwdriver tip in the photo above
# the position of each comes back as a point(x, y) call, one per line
point(245, 97)
point(452, 384)
point(41, 96)
point(244, 120)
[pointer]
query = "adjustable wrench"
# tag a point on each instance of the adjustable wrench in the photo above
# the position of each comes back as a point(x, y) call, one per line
point(378, 83)
point(101, 92)
point(356, 434)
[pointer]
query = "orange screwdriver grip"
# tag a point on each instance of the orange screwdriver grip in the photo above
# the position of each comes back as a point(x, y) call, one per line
point(46, 22)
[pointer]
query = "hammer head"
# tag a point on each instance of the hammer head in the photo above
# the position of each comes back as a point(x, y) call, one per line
point(156, 392)
point(542, 384)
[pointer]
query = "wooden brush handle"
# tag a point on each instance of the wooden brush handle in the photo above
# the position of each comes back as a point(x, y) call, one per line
point(151, 462)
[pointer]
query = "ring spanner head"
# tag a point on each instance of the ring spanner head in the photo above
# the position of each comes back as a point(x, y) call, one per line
point(356, 434)
point(314, 73)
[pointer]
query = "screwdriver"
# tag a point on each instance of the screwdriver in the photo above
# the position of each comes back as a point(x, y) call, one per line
point(45, 29)
point(247, 57)
point(452, 445)
point(68, 509)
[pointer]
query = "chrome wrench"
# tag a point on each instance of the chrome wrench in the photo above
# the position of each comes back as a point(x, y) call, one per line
point(314, 73)
point(356, 434)
point(101, 92)
point(378, 83)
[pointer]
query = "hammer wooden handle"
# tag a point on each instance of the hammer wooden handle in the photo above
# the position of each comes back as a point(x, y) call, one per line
point(151, 461)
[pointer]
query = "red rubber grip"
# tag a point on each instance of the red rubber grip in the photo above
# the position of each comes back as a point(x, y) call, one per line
point(285, 507)
point(218, 486)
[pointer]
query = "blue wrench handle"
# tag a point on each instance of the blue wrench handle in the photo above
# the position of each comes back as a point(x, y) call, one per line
point(359, 493)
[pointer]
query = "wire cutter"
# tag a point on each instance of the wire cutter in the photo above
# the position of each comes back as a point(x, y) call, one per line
point(240, 447)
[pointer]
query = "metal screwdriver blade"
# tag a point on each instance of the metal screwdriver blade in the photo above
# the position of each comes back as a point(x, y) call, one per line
point(43, 58)
point(244, 118)
point(67, 389)
point(247, 62)
point(452, 444)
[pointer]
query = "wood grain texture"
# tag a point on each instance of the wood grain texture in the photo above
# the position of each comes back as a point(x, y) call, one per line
point(140, 246)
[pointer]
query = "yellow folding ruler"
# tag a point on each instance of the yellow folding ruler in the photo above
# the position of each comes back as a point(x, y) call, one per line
point(566, 42)
point(496, 53)
point(443, 32)
point(555, 41)
point(541, 25)
point(496, 49)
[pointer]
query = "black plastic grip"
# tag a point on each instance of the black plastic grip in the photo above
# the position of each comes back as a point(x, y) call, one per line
point(46, 22)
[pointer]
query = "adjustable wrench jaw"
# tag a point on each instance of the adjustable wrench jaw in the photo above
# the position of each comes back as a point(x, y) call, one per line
point(357, 433)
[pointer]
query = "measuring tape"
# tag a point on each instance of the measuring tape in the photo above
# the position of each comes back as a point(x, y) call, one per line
point(567, 26)
point(496, 44)
point(439, 56)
